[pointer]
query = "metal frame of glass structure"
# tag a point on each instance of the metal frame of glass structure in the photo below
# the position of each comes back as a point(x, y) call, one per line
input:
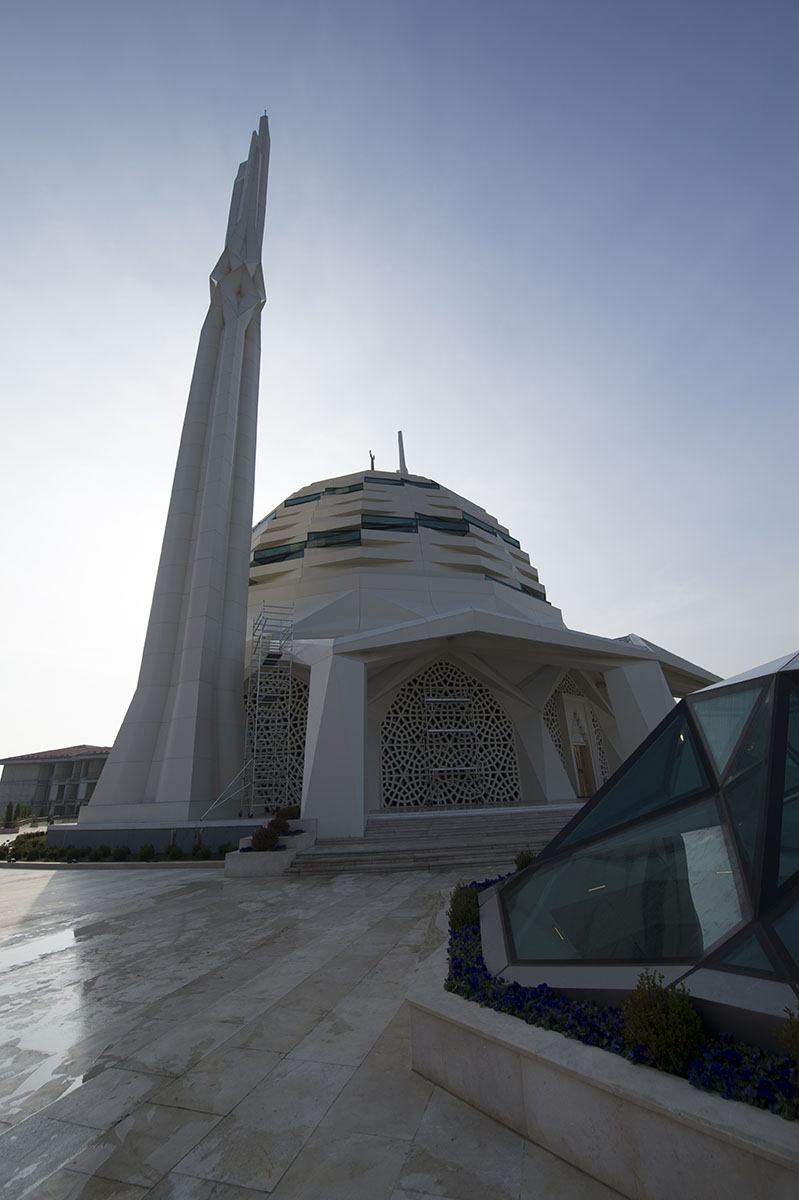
point(686, 861)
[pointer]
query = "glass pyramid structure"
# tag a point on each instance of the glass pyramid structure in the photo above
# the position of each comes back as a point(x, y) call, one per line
point(686, 861)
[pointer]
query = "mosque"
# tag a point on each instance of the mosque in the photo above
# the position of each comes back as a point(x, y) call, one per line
point(403, 656)
point(429, 670)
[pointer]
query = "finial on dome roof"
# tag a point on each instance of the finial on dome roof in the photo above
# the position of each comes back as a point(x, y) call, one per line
point(403, 466)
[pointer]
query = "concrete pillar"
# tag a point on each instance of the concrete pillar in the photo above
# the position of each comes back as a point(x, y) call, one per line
point(333, 790)
point(640, 699)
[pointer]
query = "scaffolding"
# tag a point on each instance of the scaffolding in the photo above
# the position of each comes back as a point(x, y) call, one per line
point(262, 785)
point(454, 775)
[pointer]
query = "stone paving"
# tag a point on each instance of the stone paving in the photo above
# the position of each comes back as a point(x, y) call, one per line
point(172, 1034)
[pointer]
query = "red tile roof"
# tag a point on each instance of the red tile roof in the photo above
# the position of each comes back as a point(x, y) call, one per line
point(66, 752)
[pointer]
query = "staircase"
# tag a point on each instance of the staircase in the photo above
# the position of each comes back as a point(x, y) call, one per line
point(476, 842)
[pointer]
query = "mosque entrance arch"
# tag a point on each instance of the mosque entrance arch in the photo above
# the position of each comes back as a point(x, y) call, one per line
point(446, 742)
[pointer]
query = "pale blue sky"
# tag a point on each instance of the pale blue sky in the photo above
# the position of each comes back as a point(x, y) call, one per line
point(554, 242)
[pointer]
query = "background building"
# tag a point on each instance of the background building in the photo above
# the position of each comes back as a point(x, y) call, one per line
point(54, 783)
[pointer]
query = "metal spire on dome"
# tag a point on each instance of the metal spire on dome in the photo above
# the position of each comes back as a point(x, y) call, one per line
point(403, 466)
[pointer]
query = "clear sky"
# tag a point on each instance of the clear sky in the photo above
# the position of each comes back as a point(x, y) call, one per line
point(554, 241)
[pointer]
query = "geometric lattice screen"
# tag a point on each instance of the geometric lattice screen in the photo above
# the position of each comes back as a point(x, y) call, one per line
point(551, 718)
point(480, 765)
point(688, 856)
point(286, 715)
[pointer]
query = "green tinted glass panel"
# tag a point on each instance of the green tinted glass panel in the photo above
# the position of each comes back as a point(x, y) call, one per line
point(789, 835)
point(334, 537)
point(271, 554)
point(787, 929)
point(290, 503)
point(668, 771)
point(443, 524)
point(344, 491)
point(388, 521)
point(744, 787)
point(480, 523)
point(749, 955)
point(722, 716)
point(663, 890)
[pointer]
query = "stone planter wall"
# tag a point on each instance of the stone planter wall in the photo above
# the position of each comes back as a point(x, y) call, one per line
point(253, 864)
point(649, 1135)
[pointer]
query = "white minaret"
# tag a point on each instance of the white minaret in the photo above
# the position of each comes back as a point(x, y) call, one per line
point(182, 739)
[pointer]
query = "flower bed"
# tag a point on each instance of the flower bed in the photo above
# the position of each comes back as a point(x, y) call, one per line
point(730, 1069)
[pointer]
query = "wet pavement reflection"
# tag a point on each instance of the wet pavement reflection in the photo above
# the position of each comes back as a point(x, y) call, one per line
point(180, 1036)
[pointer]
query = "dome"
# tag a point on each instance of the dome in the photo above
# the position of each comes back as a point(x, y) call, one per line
point(383, 546)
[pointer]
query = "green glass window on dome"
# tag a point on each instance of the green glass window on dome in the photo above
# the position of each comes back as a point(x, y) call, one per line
point(273, 554)
point(480, 524)
point(722, 715)
point(334, 537)
point(443, 524)
point(662, 890)
point(388, 521)
point(344, 491)
point(294, 500)
point(665, 772)
point(789, 831)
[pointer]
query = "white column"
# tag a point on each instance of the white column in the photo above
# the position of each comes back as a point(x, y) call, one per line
point(333, 788)
point(640, 698)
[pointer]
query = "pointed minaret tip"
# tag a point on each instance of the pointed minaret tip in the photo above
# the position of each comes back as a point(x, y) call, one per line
point(403, 466)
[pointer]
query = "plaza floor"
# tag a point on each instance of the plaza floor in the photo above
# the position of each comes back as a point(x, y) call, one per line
point(172, 1034)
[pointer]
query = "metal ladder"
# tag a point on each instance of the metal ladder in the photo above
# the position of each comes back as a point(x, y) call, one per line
point(262, 785)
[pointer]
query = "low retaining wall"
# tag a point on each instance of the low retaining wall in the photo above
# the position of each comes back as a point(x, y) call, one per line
point(649, 1135)
point(183, 834)
point(252, 864)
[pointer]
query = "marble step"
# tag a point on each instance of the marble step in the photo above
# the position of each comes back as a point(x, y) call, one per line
point(470, 842)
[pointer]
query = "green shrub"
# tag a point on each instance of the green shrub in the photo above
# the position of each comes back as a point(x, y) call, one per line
point(9, 820)
point(225, 848)
point(54, 854)
point(147, 852)
point(291, 812)
point(464, 908)
point(264, 838)
point(523, 859)
point(279, 824)
point(98, 853)
point(663, 1021)
point(121, 853)
point(174, 853)
point(201, 852)
point(27, 846)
